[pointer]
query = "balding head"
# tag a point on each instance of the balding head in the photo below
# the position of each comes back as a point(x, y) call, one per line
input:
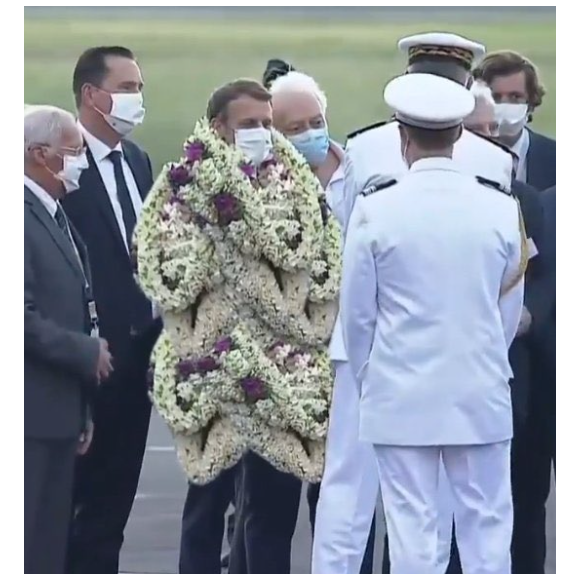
point(50, 135)
point(298, 103)
point(482, 121)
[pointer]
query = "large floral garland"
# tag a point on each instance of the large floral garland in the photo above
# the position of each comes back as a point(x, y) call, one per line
point(245, 266)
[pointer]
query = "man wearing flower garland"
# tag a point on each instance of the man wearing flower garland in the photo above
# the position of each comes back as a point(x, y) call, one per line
point(245, 265)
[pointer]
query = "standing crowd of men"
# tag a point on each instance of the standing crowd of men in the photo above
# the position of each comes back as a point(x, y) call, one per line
point(444, 349)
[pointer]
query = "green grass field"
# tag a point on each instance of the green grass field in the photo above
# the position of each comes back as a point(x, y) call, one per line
point(184, 60)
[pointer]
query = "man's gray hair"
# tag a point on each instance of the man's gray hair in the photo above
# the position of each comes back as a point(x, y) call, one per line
point(297, 82)
point(45, 125)
point(482, 92)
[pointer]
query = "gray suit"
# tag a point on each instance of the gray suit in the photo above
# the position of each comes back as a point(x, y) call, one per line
point(60, 360)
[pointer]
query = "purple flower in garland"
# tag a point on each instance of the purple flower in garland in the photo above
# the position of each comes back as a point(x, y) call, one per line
point(202, 366)
point(228, 208)
point(269, 163)
point(254, 387)
point(206, 365)
point(248, 170)
point(179, 176)
point(186, 368)
point(224, 344)
point(194, 151)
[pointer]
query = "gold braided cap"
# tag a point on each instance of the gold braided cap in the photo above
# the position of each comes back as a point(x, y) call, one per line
point(461, 54)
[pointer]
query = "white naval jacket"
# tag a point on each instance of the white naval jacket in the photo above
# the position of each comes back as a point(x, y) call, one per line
point(337, 204)
point(426, 331)
point(374, 156)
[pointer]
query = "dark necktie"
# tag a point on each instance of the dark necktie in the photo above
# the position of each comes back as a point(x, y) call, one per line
point(129, 217)
point(62, 223)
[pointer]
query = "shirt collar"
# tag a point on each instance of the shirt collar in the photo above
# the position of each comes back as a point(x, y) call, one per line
point(521, 146)
point(430, 163)
point(98, 149)
point(43, 196)
point(338, 175)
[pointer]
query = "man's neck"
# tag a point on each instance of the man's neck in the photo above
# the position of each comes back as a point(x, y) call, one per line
point(511, 141)
point(99, 128)
point(443, 153)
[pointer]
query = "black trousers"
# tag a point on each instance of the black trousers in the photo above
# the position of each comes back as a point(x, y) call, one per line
point(48, 491)
point(534, 456)
point(313, 494)
point(203, 524)
point(266, 514)
point(108, 476)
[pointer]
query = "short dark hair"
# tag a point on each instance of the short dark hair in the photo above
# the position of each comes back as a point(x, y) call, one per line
point(431, 140)
point(91, 67)
point(506, 62)
point(221, 98)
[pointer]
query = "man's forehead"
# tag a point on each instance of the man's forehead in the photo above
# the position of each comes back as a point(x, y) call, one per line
point(121, 67)
point(297, 104)
point(246, 106)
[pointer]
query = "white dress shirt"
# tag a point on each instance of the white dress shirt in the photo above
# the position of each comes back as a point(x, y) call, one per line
point(427, 328)
point(51, 206)
point(44, 197)
point(521, 150)
point(100, 153)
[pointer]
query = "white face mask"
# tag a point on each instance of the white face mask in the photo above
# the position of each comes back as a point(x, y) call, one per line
point(70, 174)
point(256, 144)
point(126, 113)
point(511, 118)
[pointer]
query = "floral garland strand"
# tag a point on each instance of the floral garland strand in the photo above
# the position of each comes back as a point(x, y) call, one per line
point(246, 268)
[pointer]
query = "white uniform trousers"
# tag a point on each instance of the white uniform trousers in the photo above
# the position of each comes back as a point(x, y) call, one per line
point(479, 476)
point(349, 488)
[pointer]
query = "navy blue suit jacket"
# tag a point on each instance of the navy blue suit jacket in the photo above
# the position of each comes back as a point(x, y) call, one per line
point(544, 327)
point(125, 314)
point(541, 162)
point(520, 351)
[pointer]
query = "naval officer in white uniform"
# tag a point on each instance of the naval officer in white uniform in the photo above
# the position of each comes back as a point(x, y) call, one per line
point(374, 153)
point(431, 300)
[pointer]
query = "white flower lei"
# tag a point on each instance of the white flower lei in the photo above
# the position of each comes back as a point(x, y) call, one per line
point(245, 265)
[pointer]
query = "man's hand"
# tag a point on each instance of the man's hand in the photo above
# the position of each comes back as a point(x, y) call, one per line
point(525, 322)
point(105, 361)
point(86, 438)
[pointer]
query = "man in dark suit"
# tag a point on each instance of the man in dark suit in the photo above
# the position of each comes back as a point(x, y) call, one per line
point(108, 85)
point(537, 444)
point(517, 90)
point(62, 361)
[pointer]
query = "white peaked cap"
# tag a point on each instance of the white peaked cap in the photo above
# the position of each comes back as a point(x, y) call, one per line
point(431, 41)
point(428, 101)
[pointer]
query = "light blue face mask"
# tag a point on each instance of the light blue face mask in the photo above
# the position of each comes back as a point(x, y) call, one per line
point(313, 144)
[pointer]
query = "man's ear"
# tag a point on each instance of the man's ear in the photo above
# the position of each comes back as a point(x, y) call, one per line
point(459, 133)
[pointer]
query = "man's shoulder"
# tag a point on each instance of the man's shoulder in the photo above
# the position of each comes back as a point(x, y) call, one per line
point(541, 139)
point(370, 132)
point(487, 143)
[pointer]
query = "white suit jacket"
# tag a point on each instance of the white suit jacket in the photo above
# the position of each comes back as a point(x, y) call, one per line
point(427, 328)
